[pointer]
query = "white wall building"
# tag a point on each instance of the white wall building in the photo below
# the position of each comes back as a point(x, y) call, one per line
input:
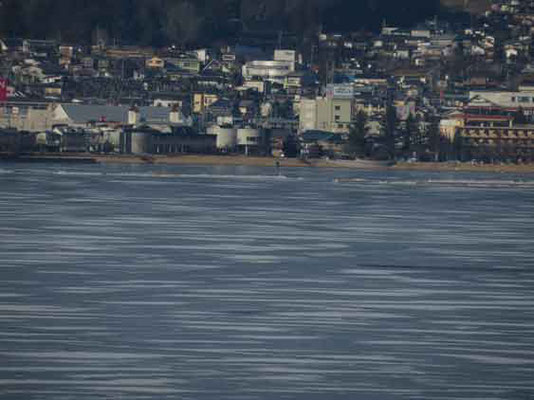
point(523, 99)
point(274, 71)
point(326, 114)
point(308, 115)
point(285, 55)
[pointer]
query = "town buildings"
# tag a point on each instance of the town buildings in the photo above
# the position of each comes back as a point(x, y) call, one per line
point(427, 92)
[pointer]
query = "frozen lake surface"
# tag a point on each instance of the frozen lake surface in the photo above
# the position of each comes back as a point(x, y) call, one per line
point(197, 283)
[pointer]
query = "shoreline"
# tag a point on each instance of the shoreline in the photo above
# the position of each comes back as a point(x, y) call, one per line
point(465, 167)
point(239, 160)
point(192, 159)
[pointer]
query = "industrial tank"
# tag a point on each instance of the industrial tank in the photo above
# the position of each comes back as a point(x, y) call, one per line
point(140, 142)
point(226, 137)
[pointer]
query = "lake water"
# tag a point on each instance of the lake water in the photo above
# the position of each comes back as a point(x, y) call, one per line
point(153, 282)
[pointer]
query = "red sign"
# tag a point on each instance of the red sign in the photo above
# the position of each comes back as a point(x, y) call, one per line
point(3, 89)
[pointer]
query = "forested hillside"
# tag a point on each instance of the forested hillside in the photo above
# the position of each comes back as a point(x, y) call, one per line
point(472, 6)
point(159, 22)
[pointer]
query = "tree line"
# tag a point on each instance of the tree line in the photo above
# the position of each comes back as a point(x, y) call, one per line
point(416, 136)
point(193, 22)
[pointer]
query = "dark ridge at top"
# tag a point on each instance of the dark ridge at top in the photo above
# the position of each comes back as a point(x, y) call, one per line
point(160, 22)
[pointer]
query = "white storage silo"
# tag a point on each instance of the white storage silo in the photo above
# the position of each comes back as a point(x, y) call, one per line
point(140, 142)
point(226, 137)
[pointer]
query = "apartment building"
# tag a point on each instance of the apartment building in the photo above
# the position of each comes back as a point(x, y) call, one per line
point(326, 114)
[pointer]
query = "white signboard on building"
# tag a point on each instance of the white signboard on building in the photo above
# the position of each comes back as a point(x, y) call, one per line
point(339, 91)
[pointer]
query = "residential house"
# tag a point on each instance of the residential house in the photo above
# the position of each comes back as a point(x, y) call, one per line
point(186, 63)
point(202, 101)
point(155, 63)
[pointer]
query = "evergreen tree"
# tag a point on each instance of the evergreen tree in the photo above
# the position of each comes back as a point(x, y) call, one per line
point(434, 139)
point(457, 147)
point(358, 131)
point(409, 133)
point(390, 128)
point(291, 146)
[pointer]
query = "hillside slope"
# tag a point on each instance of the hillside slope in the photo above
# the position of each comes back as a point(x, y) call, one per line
point(472, 6)
point(160, 22)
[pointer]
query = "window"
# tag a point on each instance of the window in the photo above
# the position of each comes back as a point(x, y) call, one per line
point(338, 108)
point(337, 117)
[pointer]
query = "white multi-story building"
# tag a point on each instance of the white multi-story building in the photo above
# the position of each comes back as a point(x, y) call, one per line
point(514, 100)
point(271, 70)
point(326, 114)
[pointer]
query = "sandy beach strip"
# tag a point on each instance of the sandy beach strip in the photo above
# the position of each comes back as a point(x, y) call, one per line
point(237, 161)
point(465, 167)
point(241, 160)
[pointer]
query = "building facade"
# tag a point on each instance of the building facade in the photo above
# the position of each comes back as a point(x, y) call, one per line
point(512, 143)
point(326, 114)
